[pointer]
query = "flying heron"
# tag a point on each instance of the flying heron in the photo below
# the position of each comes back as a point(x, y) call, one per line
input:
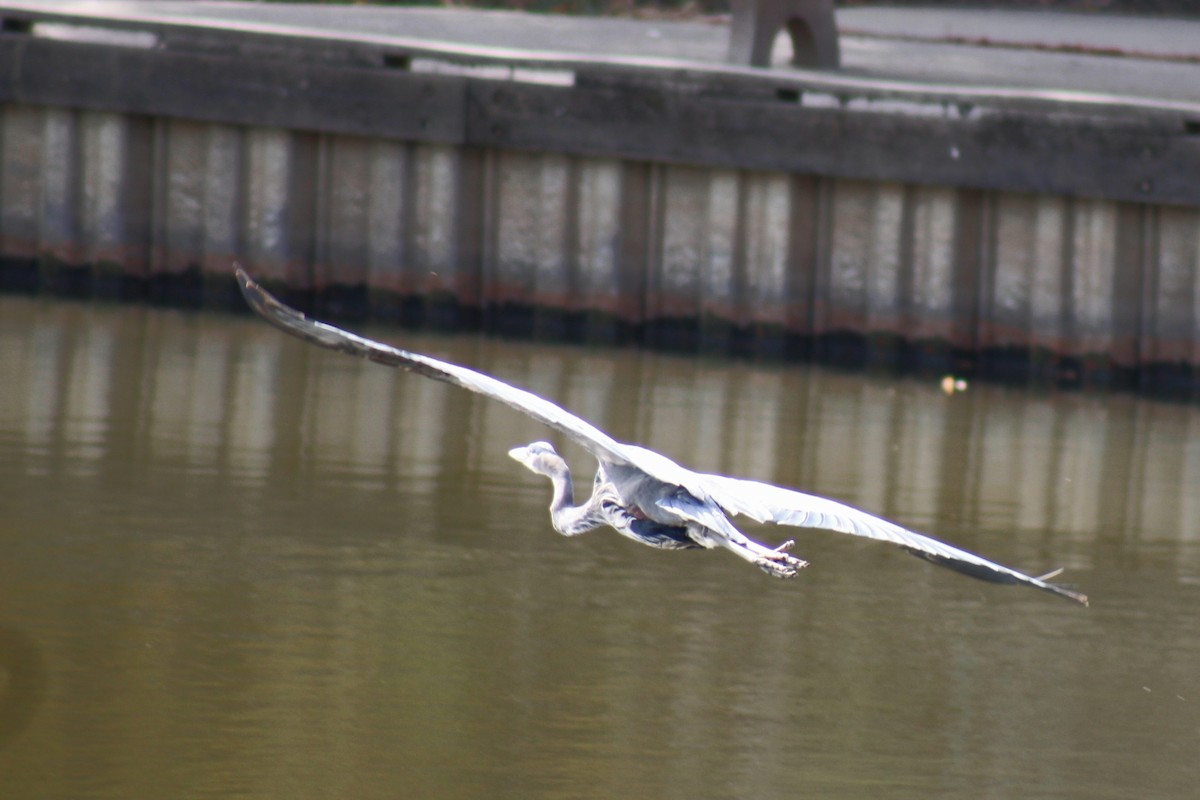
point(643, 494)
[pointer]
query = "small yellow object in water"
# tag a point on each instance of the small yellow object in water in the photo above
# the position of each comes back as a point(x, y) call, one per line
point(951, 384)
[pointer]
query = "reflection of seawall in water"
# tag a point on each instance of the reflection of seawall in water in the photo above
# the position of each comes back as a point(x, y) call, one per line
point(91, 384)
point(22, 682)
point(258, 569)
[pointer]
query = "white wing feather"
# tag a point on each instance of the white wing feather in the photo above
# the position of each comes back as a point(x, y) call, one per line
point(594, 440)
point(767, 503)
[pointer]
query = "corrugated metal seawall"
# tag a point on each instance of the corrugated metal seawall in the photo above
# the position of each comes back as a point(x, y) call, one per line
point(469, 206)
point(94, 202)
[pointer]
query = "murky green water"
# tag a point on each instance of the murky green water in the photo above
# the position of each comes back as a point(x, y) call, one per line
point(235, 566)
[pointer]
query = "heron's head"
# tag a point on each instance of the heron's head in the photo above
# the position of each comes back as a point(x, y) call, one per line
point(540, 457)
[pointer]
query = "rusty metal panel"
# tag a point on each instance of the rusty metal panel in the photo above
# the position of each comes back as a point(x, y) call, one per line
point(718, 278)
point(808, 253)
point(673, 283)
point(528, 262)
point(181, 178)
point(436, 183)
point(1005, 314)
point(887, 274)
point(597, 236)
point(553, 235)
point(1023, 306)
point(1047, 273)
point(389, 172)
point(224, 207)
point(864, 278)
point(1093, 298)
point(272, 163)
point(1173, 301)
point(840, 296)
point(442, 262)
point(112, 217)
point(21, 146)
point(342, 212)
point(765, 255)
point(934, 218)
point(104, 152)
point(360, 217)
point(58, 230)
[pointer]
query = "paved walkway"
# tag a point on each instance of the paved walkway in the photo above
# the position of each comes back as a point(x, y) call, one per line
point(1140, 56)
point(1135, 56)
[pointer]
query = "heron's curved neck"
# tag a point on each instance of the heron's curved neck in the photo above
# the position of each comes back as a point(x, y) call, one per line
point(568, 518)
point(564, 490)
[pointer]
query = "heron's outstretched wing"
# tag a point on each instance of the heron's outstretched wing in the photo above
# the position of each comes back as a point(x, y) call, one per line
point(760, 501)
point(764, 502)
point(594, 440)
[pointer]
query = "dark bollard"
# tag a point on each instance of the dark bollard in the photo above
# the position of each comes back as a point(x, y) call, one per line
point(810, 24)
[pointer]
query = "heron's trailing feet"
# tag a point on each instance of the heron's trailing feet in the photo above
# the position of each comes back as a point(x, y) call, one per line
point(780, 564)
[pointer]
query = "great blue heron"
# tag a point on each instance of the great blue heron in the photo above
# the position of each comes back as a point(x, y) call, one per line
point(642, 494)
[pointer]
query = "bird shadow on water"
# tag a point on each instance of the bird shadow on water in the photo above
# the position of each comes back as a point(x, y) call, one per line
point(23, 679)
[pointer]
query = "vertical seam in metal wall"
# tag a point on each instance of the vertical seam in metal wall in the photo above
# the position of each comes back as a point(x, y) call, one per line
point(159, 213)
point(819, 301)
point(906, 283)
point(1067, 343)
point(1148, 298)
point(408, 279)
point(469, 231)
point(489, 217)
point(744, 319)
point(655, 208)
point(986, 271)
point(801, 255)
point(242, 194)
point(320, 250)
point(575, 304)
point(5, 123)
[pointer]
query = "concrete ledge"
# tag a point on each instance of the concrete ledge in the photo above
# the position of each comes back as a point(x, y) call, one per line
point(1085, 148)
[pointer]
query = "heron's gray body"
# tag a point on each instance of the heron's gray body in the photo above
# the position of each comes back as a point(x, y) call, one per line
point(607, 506)
point(666, 514)
point(643, 494)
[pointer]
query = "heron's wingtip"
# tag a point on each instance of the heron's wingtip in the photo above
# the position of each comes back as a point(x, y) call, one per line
point(1070, 594)
point(259, 299)
point(1062, 589)
point(250, 287)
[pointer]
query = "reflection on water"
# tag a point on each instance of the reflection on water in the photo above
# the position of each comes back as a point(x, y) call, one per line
point(234, 565)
